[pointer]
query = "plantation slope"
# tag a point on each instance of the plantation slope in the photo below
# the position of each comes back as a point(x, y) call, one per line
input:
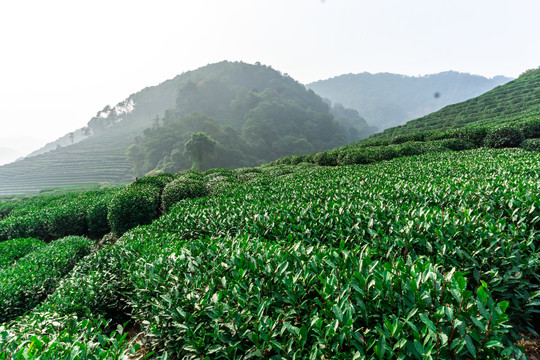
point(516, 101)
point(422, 256)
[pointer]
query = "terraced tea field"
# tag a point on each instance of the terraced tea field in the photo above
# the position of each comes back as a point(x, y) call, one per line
point(421, 257)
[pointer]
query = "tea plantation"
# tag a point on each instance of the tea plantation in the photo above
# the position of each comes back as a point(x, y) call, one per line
point(432, 256)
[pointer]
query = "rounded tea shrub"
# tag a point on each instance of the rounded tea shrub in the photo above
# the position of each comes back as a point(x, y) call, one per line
point(131, 207)
point(190, 174)
point(70, 219)
point(181, 189)
point(96, 216)
point(160, 180)
point(504, 137)
point(531, 145)
point(472, 135)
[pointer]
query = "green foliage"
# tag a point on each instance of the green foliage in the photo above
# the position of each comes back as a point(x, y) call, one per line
point(70, 219)
point(422, 256)
point(253, 113)
point(49, 336)
point(13, 250)
point(25, 284)
point(96, 215)
point(531, 144)
point(134, 205)
point(509, 104)
point(199, 148)
point(50, 217)
point(504, 137)
point(181, 189)
point(159, 180)
point(530, 128)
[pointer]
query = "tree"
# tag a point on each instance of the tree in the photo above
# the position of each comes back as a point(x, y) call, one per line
point(199, 148)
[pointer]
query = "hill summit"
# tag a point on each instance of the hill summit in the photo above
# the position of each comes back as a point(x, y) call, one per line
point(254, 113)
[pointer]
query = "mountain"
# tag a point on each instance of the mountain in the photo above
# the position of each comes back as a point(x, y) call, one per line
point(270, 114)
point(387, 100)
point(511, 103)
point(505, 117)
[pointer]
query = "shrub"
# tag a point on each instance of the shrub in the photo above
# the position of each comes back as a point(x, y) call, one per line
point(472, 135)
point(96, 216)
point(531, 128)
point(352, 157)
point(326, 158)
point(408, 149)
point(531, 144)
point(456, 144)
point(33, 224)
point(400, 139)
point(189, 173)
point(67, 220)
point(159, 180)
point(504, 137)
point(220, 172)
point(32, 278)
point(13, 250)
point(131, 207)
point(181, 189)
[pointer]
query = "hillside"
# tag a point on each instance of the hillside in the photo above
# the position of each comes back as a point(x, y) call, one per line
point(516, 101)
point(418, 257)
point(386, 100)
point(231, 94)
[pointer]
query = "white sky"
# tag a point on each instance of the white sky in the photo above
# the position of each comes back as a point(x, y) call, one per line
point(62, 61)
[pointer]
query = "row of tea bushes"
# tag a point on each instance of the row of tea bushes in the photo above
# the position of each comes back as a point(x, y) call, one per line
point(404, 259)
point(242, 297)
point(33, 277)
point(48, 218)
point(13, 250)
point(50, 336)
point(521, 134)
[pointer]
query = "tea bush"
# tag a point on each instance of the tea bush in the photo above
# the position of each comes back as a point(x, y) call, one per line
point(29, 281)
point(13, 250)
point(49, 336)
point(531, 144)
point(181, 189)
point(504, 137)
point(70, 219)
point(133, 206)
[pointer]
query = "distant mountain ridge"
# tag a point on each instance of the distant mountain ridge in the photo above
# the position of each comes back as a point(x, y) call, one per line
point(386, 100)
point(511, 103)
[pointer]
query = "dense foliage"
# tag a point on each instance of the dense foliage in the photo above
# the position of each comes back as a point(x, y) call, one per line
point(132, 206)
point(431, 256)
point(55, 216)
point(26, 283)
point(254, 113)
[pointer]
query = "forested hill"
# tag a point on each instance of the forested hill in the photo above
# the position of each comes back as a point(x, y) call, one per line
point(387, 100)
point(514, 102)
point(253, 113)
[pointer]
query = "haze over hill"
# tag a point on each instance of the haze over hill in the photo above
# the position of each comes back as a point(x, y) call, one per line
point(387, 100)
point(255, 113)
point(515, 102)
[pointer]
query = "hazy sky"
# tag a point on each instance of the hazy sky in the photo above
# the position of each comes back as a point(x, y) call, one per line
point(62, 61)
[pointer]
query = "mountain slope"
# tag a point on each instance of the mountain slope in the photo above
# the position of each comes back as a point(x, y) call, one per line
point(386, 100)
point(516, 101)
point(232, 94)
